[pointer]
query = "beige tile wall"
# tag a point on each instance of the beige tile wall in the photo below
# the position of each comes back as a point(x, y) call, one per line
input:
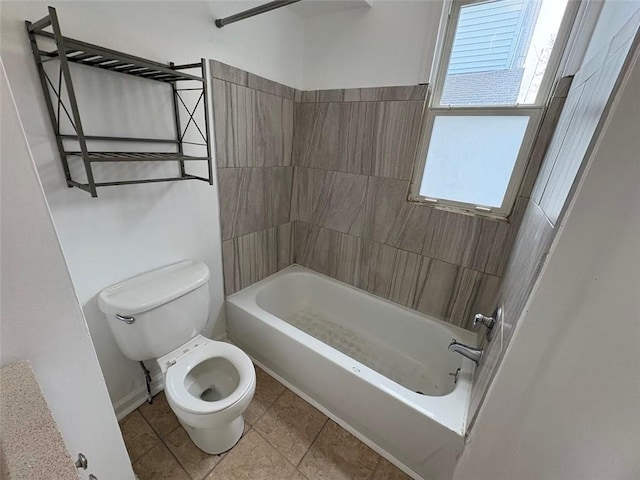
point(353, 154)
point(331, 169)
point(588, 98)
point(253, 124)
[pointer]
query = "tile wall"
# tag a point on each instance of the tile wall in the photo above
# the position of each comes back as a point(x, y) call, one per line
point(353, 154)
point(321, 178)
point(253, 124)
point(588, 98)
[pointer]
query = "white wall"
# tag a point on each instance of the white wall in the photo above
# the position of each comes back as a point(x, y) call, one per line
point(565, 403)
point(131, 229)
point(41, 317)
point(391, 43)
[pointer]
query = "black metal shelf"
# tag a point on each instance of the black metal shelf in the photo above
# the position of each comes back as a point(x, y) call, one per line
point(99, 57)
point(69, 50)
point(138, 157)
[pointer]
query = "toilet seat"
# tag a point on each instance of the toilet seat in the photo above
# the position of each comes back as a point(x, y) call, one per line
point(175, 377)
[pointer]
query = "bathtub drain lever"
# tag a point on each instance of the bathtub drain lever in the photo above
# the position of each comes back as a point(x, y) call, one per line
point(455, 375)
point(147, 378)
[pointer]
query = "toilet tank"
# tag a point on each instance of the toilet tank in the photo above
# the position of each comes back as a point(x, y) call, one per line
point(156, 312)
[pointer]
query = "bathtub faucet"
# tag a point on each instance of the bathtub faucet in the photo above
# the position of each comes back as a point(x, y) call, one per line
point(465, 350)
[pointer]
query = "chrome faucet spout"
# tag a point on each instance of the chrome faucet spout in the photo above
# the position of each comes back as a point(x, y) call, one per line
point(465, 350)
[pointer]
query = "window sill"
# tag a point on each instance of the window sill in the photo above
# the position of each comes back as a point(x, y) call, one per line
point(469, 211)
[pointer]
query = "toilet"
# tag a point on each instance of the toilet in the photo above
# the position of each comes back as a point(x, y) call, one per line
point(159, 316)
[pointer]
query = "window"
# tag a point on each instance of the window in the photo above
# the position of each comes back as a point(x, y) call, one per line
point(498, 61)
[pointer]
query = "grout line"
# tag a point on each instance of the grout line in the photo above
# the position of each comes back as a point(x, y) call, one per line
point(276, 449)
point(177, 460)
point(322, 102)
point(302, 474)
point(254, 166)
point(267, 440)
point(291, 192)
point(313, 441)
point(258, 89)
point(223, 455)
point(356, 173)
point(271, 404)
point(256, 231)
point(160, 441)
point(156, 431)
point(172, 430)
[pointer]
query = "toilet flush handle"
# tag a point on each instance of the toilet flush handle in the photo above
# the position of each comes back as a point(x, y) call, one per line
point(125, 319)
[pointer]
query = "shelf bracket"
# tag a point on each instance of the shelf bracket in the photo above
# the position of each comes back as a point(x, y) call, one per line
point(66, 74)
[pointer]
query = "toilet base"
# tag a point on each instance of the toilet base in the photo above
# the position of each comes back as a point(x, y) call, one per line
point(217, 439)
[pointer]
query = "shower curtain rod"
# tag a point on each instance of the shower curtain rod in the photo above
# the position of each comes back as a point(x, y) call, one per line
point(221, 22)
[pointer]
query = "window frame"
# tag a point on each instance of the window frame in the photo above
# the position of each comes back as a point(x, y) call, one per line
point(433, 108)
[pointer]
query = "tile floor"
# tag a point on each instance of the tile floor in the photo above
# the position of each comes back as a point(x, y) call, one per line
point(285, 438)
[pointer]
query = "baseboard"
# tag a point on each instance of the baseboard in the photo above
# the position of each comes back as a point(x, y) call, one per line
point(136, 398)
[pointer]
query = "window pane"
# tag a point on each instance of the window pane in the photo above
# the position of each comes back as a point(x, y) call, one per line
point(471, 158)
point(500, 51)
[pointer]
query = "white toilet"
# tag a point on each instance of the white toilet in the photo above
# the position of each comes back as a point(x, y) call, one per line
point(208, 384)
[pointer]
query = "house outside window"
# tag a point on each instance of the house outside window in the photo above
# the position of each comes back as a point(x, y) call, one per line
point(498, 62)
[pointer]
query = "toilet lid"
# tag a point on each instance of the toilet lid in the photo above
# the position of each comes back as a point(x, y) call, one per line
point(175, 387)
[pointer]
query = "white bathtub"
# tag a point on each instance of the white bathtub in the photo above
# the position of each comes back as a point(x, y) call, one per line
point(361, 359)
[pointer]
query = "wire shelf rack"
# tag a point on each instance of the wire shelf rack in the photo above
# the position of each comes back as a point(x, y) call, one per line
point(69, 50)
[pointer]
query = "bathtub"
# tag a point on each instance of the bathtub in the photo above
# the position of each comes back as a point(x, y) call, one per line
point(380, 370)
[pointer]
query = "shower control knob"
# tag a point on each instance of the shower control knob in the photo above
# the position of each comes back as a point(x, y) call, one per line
point(483, 320)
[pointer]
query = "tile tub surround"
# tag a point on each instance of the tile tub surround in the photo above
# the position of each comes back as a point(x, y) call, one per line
point(31, 445)
point(253, 131)
point(337, 164)
point(353, 152)
point(586, 99)
point(249, 258)
point(253, 199)
point(285, 438)
point(529, 251)
point(431, 286)
point(366, 138)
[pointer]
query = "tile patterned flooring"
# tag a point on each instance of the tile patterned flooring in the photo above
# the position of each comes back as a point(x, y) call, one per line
point(285, 438)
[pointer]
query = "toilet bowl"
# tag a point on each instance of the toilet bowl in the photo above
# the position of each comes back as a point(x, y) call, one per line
point(209, 385)
point(159, 315)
